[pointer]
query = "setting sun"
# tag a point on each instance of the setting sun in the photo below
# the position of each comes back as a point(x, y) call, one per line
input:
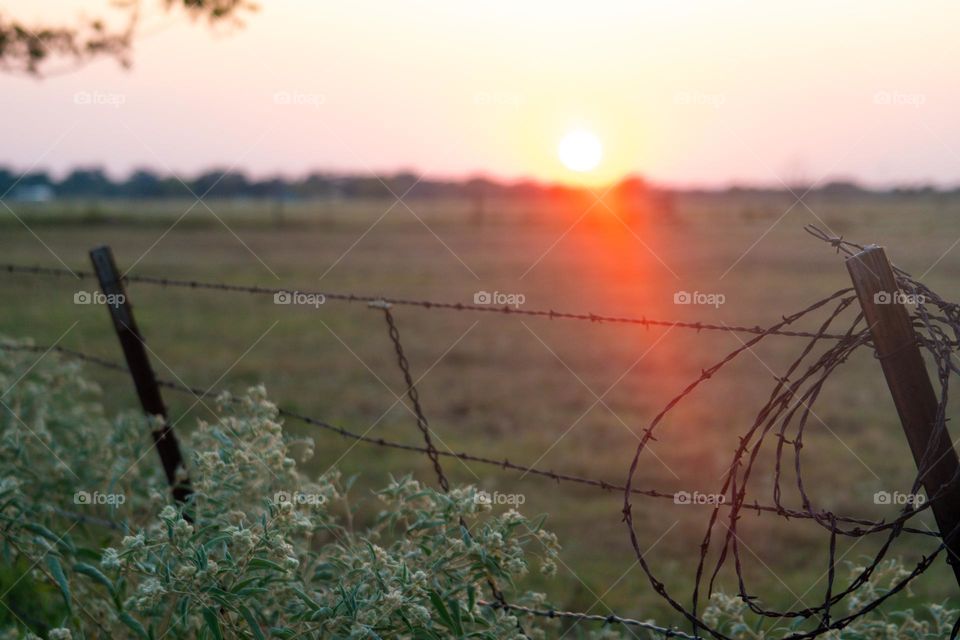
point(580, 151)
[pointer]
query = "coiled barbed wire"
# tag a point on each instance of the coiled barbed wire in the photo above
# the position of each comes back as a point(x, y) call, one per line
point(789, 407)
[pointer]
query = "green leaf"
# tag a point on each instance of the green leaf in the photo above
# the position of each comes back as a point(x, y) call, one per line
point(133, 624)
point(93, 555)
point(210, 544)
point(93, 573)
point(183, 608)
point(457, 618)
point(441, 609)
point(263, 563)
point(66, 543)
point(41, 530)
point(426, 524)
point(244, 583)
point(210, 616)
point(306, 599)
point(61, 541)
point(57, 570)
point(254, 626)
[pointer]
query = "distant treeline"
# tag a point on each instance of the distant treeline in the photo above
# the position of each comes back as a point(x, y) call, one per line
point(145, 183)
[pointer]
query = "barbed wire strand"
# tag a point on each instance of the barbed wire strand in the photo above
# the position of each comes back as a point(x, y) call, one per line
point(505, 463)
point(577, 616)
point(414, 396)
point(424, 426)
point(425, 304)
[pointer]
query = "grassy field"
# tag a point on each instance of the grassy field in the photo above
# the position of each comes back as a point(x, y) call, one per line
point(522, 388)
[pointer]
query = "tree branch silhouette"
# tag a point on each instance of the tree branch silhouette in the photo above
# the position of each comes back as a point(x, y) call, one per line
point(35, 49)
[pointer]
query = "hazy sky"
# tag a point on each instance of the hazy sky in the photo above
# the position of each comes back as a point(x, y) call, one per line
point(680, 91)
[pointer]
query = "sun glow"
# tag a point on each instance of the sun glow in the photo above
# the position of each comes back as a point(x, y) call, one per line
point(580, 151)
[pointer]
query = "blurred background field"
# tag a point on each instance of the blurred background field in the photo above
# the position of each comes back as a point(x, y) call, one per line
point(520, 387)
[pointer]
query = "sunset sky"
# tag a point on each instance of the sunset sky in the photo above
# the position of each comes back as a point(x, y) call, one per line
point(682, 92)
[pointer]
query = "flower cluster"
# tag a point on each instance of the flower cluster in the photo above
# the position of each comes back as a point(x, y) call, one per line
point(260, 549)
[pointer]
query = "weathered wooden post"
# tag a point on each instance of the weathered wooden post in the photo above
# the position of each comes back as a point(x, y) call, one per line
point(913, 394)
point(144, 379)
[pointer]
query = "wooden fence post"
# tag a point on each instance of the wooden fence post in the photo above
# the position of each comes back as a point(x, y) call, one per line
point(913, 394)
point(144, 379)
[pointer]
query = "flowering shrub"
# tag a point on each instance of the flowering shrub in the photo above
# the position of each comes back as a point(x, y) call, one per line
point(263, 549)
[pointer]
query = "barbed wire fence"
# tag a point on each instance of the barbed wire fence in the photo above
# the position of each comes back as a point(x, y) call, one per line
point(935, 325)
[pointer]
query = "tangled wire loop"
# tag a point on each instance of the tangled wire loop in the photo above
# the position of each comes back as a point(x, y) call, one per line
point(784, 418)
